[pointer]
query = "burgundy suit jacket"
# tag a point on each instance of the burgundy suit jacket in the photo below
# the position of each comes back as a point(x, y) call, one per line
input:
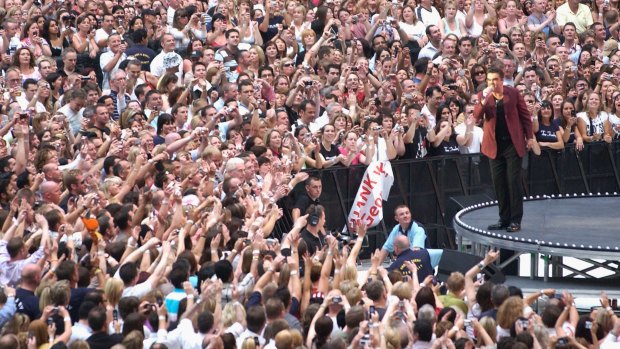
point(518, 120)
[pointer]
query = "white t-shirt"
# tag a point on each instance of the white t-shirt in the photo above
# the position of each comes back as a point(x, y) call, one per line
point(474, 146)
point(157, 66)
point(101, 34)
point(428, 17)
point(106, 57)
point(414, 31)
point(75, 119)
point(596, 125)
point(614, 120)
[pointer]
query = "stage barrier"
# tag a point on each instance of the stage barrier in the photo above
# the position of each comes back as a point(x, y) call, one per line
point(428, 185)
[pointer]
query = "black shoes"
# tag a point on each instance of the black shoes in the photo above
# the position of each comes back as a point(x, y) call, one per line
point(498, 226)
point(513, 227)
point(509, 227)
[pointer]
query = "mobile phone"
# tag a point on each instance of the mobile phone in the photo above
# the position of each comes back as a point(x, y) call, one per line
point(563, 341)
point(115, 315)
point(573, 113)
point(337, 299)
point(371, 310)
point(467, 322)
point(588, 325)
point(480, 278)
point(50, 321)
point(354, 69)
point(524, 324)
point(160, 301)
point(270, 242)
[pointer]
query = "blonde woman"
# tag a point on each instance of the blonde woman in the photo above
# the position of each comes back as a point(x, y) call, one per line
point(299, 23)
point(450, 24)
point(233, 317)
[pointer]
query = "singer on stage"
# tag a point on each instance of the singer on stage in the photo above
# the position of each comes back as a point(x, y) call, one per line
point(507, 125)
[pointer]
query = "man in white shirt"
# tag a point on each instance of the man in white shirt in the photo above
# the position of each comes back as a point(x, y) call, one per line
point(73, 110)
point(427, 13)
point(128, 272)
point(473, 146)
point(168, 46)
point(103, 34)
point(434, 42)
point(110, 61)
point(433, 98)
point(256, 319)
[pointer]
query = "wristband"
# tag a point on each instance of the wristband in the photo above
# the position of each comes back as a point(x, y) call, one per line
point(293, 272)
point(190, 296)
point(481, 265)
point(67, 318)
point(234, 251)
point(456, 328)
point(255, 252)
point(189, 221)
point(609, 308)
point(542, 292)
point(161, 317)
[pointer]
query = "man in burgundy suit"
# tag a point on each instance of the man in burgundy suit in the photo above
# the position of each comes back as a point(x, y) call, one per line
point(507, 125)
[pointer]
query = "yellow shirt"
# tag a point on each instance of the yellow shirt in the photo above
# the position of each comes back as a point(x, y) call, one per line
point(582, 18)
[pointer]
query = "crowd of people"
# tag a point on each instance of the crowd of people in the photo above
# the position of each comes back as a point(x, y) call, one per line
point(147, 148)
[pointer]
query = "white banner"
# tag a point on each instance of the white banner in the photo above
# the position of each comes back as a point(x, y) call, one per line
point(375, 187)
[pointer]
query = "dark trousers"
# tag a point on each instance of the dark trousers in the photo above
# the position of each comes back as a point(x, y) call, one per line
point(506, 173)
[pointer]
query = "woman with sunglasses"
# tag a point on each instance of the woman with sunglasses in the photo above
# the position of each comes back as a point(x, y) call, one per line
point(479, 73)
point(546, 129)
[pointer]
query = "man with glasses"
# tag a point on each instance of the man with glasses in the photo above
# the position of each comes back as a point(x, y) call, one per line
point(507, 124)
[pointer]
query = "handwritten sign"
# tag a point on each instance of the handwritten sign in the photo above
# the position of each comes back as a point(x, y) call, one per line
point(367, 207)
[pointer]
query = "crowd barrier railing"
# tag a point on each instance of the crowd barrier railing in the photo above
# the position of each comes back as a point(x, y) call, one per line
point(426, 185)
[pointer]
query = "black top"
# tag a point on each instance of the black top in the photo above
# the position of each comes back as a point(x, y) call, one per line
point(417, 148)
point(77, 297)
point(303, 202)
point(314, 243)
point(272, 30)
point(421, 258)
point(502, 136)
point(144, 54)
point(101, 340)
point(448, 147)
point(27, 303)
point(547, 133)
point(330, 154)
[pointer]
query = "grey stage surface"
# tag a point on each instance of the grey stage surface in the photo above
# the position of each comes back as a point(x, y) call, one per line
point(584, 227)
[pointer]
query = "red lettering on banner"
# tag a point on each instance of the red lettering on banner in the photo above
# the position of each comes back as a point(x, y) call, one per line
point(368, 182)
point(374, 211)
point(366, 190)
point(379, 169)
point(379, 201)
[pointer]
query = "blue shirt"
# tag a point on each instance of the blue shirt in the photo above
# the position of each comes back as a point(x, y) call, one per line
point(415, 233)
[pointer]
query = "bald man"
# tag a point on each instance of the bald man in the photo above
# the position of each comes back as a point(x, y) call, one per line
point(50, 191)
point(404, 253)
point(52, 172)
point(27, 301)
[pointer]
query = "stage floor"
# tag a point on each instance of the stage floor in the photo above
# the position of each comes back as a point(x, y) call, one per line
point(585, 227)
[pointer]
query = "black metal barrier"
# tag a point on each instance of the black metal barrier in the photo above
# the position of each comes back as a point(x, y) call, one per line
point(426, 185)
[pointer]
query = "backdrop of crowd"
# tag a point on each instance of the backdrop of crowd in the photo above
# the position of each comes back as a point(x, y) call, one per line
point(147, 146)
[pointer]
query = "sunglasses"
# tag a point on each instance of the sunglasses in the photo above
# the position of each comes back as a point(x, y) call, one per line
point(480, 72)
point(290, 64)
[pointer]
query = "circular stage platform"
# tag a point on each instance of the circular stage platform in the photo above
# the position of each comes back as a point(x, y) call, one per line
point(582, 226)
